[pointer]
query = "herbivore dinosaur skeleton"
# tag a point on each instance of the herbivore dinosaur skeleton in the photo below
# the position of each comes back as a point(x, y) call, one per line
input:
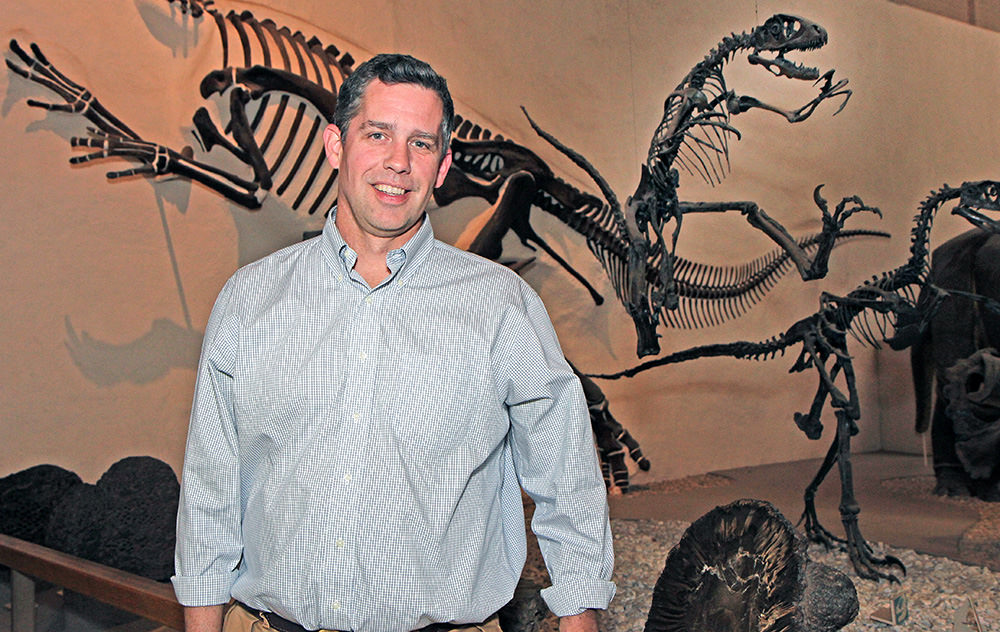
point(893, 307)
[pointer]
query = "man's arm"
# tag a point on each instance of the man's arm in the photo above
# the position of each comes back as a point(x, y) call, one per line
point(205, 618)
point(209, 539)
point(586, 621)
point(556, 461)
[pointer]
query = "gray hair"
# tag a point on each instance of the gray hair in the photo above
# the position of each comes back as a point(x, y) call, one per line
point(391, 68)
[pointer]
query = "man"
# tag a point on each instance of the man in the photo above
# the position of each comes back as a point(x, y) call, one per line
point(368, 401)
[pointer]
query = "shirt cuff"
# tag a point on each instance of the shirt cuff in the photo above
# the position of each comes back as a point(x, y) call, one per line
point(573, 597)
point(203, 590)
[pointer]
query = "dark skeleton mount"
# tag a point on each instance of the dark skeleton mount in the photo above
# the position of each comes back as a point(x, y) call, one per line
point(886, 309)
point(637, 245)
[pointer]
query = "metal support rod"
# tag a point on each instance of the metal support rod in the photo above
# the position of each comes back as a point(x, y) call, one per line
point(22, 598)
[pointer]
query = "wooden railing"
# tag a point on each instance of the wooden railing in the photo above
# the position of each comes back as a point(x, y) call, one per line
point(30, 562)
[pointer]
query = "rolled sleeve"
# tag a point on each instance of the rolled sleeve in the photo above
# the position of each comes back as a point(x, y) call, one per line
point(204, 590)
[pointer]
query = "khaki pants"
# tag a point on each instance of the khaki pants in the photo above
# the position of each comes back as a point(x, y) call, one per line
point(239, 620)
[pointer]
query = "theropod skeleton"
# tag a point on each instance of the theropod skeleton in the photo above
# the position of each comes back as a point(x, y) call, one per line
point(652, 282)
point(892, 307)
point(694, 136)
point(633, 245)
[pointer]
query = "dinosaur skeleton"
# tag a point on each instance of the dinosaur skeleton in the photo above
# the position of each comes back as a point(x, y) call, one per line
point(694, 134)
point(892, 307)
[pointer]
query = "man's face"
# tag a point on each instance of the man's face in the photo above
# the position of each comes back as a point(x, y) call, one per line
point(390, 161)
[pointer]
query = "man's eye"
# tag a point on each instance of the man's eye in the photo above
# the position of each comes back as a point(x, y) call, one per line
point(376, 136)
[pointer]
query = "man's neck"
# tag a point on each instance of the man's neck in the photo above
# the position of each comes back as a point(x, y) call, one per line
point(372, 250)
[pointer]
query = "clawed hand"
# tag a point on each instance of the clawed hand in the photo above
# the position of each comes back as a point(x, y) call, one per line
point(827, 91)
point(156, 158)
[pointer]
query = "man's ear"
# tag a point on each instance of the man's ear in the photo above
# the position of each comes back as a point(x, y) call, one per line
point(443, 168)
point(332, 143)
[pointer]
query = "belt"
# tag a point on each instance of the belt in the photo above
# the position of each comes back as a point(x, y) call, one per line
point(284, 625)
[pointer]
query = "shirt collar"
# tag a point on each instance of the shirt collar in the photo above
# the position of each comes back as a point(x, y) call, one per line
point(401, 260)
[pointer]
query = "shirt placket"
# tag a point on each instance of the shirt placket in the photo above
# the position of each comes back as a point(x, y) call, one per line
point(360, 344)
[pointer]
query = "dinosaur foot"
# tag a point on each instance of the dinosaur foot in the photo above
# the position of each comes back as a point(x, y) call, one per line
point(866, 563)
point(816, 532)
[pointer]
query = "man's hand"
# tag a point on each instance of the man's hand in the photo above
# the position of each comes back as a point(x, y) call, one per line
point(586, 621)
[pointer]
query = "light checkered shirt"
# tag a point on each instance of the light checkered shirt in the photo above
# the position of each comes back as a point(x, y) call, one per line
point(354, 455)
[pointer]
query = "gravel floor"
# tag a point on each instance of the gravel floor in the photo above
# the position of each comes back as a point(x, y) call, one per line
point(936, 588)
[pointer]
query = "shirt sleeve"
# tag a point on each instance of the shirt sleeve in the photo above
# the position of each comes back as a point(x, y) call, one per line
point(209, 545)
point(556, 460)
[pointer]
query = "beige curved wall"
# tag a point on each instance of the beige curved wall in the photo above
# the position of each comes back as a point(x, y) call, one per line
point(101, 322)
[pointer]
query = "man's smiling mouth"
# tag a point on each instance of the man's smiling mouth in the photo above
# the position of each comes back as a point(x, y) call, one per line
point(389, 189)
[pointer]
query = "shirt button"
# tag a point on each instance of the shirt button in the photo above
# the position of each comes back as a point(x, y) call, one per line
point(336, 605)
point(363, 355)
point(356, 416)
point(368, 300)
point(340, 543)
point(347, 478)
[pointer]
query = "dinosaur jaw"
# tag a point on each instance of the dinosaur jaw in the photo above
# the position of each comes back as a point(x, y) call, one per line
point(781, 67)
point(978, 219)
point(976, 199)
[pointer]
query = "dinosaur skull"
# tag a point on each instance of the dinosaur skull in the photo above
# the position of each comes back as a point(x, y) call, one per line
point(977, 197)
point(783, 33)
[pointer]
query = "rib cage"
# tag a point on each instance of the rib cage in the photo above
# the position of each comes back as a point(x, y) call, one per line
point(699, 143)
point(288, 131)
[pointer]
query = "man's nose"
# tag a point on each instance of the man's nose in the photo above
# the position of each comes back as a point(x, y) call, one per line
point(397, 157)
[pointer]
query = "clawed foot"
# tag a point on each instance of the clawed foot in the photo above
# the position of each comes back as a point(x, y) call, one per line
point(75, 98)
point(35, 67)
point(816, 532)
point(612, 447)
point(866, 564)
